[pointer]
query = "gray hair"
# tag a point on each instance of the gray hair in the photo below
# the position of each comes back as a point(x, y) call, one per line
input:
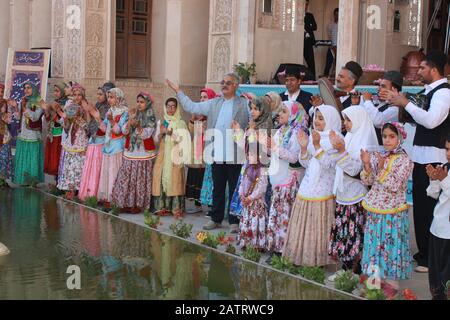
point(234, 76)
point(353, 76)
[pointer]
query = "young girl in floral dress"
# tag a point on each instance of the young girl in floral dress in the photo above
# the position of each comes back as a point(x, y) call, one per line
point(387, 253)
point(113, 127)
point(133, 188)
point(313, 211)
point(92, 167)
point(75, 142)
point(253, 180)
point(347, 233)
point(284, 151)
point(5, 142)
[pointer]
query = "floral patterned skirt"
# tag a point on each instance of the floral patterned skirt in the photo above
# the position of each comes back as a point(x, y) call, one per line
point(283, 198)
point(133, 185)
point(72, 172)
point(308, 233)
point(253, 225)
point(386, 246)
point(6, 167)
point(207, 187)
point(347, 233)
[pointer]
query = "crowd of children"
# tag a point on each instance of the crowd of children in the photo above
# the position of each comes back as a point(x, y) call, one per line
point(345, 202)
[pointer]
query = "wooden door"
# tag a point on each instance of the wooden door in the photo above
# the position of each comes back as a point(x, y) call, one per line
point(133, 38)
point(436, 40)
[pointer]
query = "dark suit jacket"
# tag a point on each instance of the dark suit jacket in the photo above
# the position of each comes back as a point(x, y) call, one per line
point(310, 26)
point(304, 98)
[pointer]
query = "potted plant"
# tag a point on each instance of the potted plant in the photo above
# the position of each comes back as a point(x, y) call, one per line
point(246, 72)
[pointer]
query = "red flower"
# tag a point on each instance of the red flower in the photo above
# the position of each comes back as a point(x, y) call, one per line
point(408, 294)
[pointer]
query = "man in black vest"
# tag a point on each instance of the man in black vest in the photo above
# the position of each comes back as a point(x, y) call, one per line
point(433, 125)
point(310, 40)
point(294, 77)
point(381, 111)
point(347, 80)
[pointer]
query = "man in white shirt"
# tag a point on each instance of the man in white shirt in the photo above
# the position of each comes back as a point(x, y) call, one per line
point(380, 111)
point(433, 124)
point(439, 263)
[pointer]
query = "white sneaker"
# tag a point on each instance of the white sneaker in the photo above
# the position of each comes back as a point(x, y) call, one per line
point(333, 277)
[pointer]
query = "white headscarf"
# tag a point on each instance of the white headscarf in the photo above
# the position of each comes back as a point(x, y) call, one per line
point(333, 122)
point(361, 136)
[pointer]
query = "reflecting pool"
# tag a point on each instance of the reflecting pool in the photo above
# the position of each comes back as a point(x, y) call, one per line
point(120, 260)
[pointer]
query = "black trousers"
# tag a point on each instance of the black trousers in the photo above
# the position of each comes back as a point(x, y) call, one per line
point(308, 54)
point(221, 174)
point(439, 268)
point(423, 212)
point(329, 63)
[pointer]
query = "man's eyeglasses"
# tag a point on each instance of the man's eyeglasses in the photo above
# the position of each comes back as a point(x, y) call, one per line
point(226, 83)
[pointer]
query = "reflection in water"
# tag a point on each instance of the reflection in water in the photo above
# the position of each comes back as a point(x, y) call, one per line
point(120, 260)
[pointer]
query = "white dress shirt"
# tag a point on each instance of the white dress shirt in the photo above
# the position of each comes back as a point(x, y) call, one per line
point(441, 223)
point(292, 97)
point(431, 119)
point(381, 117)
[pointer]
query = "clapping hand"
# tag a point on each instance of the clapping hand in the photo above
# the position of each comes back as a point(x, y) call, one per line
point(303, 139)
point(337, 142)
point(316, 139)
point(381, 161)
point(439, 173)
point(316, 101)
point(367, 96)
point(365, 158)
point(235, 125)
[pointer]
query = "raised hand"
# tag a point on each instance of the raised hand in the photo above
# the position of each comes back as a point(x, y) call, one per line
point(316, 139)
point(316, 101)
point(337, 142)
point(441, 173)
point(367, 96)
point(235, 125)
point(365, 157)
point(431, 172)
point(172, 86)
point(381, 161)
point(303, 139)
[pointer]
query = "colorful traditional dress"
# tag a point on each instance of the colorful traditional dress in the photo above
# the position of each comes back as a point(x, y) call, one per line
point(6, 168)
point(168, 185)
point(74, 144)
point(283, 179)
point(29, 157)
point(113, 147)
point(347, 233)
point(53, 145)
point(252, 227)
point(92, 167)
point(313, 211)
point(133, 187)
point(387, 252)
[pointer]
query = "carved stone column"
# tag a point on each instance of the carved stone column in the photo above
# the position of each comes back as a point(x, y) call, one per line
point(348, 32)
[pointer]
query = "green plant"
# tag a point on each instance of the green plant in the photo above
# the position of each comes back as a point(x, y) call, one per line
point(231, 249)
point(375, 294)
point(91, 202)
point(346, 281)
point(3, 183)
point(252, 254)
point(245, 71)
point(151, 220)
point(181, 229)
point(115, 210)
point(316, 274)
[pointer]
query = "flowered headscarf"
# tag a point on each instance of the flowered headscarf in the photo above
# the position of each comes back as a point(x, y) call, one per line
point(402, 135)
point(298, 120)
